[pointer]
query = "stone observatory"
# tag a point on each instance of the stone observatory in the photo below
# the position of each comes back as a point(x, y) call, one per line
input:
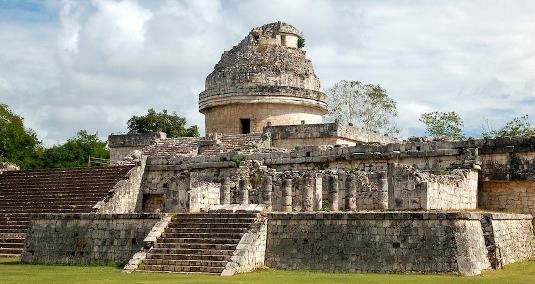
point(265, 80)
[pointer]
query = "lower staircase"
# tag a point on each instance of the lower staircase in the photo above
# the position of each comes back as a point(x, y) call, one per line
point(12, 232)
point(198, 242)
point(27, 192)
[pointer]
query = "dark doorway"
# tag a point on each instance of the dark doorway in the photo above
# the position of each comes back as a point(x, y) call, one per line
point(245, 125)
point(283, 40)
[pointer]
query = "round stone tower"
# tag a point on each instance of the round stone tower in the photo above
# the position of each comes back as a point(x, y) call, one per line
point(264, 80)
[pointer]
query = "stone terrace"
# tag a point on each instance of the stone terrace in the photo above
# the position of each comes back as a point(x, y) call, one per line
point(49, 191)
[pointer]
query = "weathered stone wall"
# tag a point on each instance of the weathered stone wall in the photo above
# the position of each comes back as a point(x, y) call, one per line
point(411, 189)
point(508, 196)
point(250, 252)
point(86, 238)
point(125, 196)
point(290, 136)
point(377, 242)
point(512, 237)
point(121, 145)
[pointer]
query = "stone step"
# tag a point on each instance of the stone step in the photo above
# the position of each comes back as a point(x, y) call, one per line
point(216, 257)
point(201, 230)
point(190, 251)
point(11, 240)
point(212, 220)
point(192, 262)
point(203, 235)
point(181, 269)
point(196, 246)
point(210, 225)
point(12, 245)
point(183, 216)
point(198, 241)
point(14, 256)
point(10, 250)
point(12, 231)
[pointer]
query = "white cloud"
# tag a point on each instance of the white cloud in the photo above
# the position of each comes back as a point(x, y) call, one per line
point(99, 62)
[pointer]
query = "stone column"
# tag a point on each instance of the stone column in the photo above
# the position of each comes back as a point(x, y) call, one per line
point(382, 192)
point(244, 190)
point(287, 195)
point(308, 193)
point(224, 191)
point(351, 193)
point(318, 188)
point(333, 192)
point(267, 192)
point(342, 191)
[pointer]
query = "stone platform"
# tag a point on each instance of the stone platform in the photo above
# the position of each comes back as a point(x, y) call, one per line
point(398, 242)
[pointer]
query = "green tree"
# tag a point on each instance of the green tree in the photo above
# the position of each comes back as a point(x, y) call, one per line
point(18, 144)
point(518, 126)
point(364, 105)
point(172, 124)
point(75, 152)
point(443, 124)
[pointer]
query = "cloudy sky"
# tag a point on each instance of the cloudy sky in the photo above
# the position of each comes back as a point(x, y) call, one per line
point(70, 65)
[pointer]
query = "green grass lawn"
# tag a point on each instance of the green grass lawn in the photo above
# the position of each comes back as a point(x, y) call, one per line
point(12, 271)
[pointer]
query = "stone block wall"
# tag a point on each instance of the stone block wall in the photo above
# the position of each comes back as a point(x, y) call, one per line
point(290, 136)
point(508, 196)
point(123, 144)
point(125, 196)
point(86, 238)
point(250, 252)
point(512, 237)
point(377, 242)
point(412, 189)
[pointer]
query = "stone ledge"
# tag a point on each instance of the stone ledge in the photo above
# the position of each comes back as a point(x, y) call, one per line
point(386, 215)
point(92, 216)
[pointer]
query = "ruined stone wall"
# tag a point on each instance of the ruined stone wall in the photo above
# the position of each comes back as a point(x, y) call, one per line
point(377, 242)
point(290, 136)
point(512, 236)
point(411, 189)
point(122, 145)
point(5, 167)
point(86, 238)
point(509, 196)
point(250, 252)
point(125, 196)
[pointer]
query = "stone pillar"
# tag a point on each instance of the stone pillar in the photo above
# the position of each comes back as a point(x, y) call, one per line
point(351, 193)
point(342, 190)
point(224, 191)
point(333, 192)
point(382, 192)
point(287, 195)
point(244, 190)
point(267, 192)
point(318, 188)
point(308, 192)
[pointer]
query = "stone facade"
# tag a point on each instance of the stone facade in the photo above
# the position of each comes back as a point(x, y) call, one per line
point(291, 136)
point(425, 242)
point(125, 196)
point(86, 238)
point(121, 145)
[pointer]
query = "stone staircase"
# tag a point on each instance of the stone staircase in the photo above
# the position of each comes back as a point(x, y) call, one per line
point(27, 192)
point(198, 242)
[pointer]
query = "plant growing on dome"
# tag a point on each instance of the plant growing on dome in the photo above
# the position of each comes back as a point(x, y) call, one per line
point(301, 42)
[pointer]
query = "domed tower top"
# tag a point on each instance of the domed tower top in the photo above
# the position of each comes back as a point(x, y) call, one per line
point(264, 80)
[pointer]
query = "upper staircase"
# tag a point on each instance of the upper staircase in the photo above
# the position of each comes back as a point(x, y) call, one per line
point(198, 242)
point(26, 192)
